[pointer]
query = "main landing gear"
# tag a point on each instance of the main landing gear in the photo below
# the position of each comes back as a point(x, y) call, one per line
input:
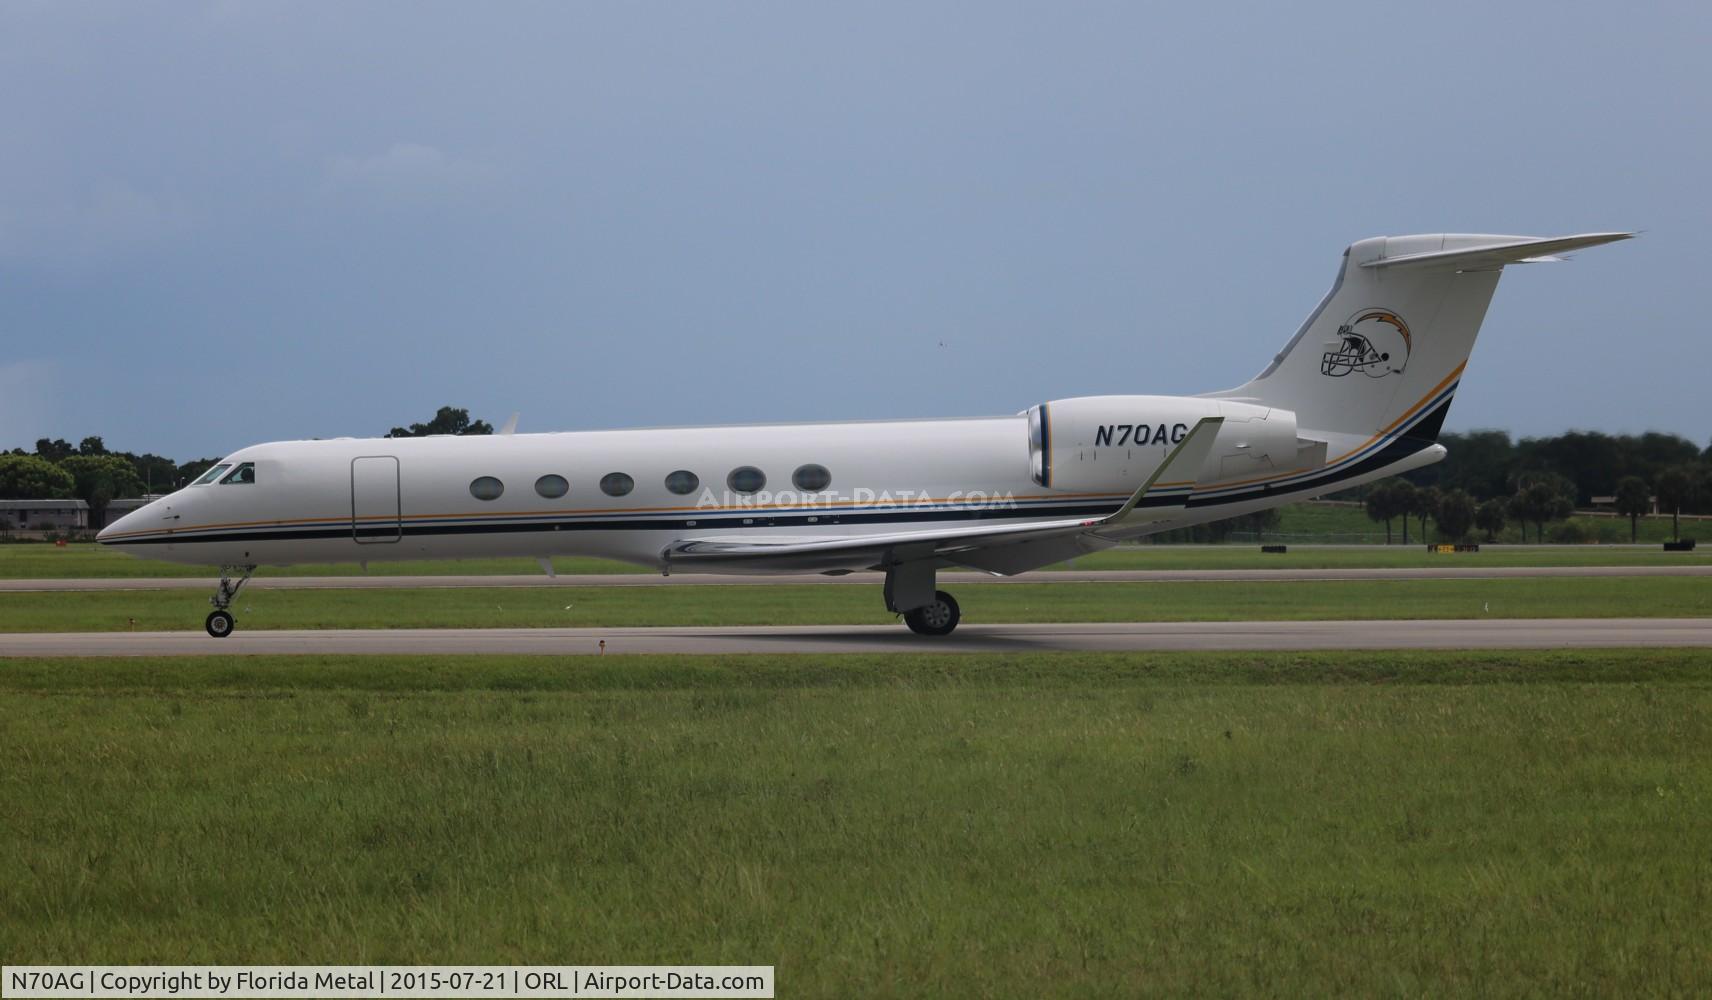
point(910, 592)
point(220, 621)
point(937, 618)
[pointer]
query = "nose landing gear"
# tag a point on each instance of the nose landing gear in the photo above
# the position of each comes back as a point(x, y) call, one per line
point(220, 622)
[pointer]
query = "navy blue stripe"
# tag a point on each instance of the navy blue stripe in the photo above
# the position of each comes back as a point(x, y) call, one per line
point(1425, 427)
point(678, 523)
point(1398, 449)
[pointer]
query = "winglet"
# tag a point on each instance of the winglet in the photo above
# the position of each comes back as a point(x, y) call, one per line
point(510, 427)
point(1183, 465)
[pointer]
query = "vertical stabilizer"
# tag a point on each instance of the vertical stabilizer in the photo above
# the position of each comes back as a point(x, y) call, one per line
point(1384, 351)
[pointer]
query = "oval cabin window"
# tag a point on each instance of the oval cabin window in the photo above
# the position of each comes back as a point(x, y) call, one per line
point(811, 478)
point(682, 481)
point(552, 487)
point(616, 484)
point(487, 488)
point(746, 479)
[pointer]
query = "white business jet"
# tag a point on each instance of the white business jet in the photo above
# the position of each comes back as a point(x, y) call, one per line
point(1359, 393)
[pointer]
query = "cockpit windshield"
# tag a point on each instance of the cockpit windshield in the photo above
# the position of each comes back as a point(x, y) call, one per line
point(244, 474)
point(211, 475)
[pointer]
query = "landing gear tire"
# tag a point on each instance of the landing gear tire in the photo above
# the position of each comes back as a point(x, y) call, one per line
point(232, 579)
point(938, 618)
point(220, 624)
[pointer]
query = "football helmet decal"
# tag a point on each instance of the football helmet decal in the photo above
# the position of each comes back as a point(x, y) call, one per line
point(1374, 342)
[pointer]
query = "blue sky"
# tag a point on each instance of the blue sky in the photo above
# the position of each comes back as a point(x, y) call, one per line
point(229, 223)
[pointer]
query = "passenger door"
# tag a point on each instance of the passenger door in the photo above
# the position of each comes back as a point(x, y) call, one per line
point(375, 500)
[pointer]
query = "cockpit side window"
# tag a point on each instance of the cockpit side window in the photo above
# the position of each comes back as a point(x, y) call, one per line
point(243, 475)
point(210, 475)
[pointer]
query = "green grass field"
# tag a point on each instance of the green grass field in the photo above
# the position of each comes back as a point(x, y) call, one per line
point(89, 561)
point(1063, 824)
point(476, 607)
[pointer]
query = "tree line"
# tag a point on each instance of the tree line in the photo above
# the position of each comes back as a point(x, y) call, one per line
point(91, 473)
point(88, 471)
point(1487, 481)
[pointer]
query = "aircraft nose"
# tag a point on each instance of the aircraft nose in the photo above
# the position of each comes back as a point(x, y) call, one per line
point(107, 535)
point(141, 519)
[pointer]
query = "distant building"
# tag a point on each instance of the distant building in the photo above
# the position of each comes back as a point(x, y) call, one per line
point(119, 508)
point(44, 515)
point(1610, 504)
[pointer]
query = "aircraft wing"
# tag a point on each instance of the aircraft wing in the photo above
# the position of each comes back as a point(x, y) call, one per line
point(852, 552)
point(1175, 477)
point(997, 548)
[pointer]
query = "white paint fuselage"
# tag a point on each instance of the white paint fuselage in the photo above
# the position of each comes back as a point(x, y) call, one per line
point(307, 505)
point(1361, 391)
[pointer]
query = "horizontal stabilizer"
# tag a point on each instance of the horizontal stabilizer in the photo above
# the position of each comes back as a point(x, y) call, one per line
point(1492, 256)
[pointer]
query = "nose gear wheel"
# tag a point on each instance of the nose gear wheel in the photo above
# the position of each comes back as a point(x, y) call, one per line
point(220, 622)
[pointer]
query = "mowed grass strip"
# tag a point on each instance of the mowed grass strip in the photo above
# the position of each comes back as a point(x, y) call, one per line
point(520, 607)
point(1062, 824)
point(88, 560)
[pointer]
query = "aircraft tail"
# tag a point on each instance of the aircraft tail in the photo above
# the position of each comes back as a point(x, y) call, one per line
point(1385, 350)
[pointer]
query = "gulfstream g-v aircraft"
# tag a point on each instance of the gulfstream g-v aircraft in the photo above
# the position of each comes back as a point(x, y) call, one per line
point(1359, 393)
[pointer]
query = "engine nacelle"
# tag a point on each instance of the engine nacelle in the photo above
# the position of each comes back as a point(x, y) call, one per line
point(1112, 444)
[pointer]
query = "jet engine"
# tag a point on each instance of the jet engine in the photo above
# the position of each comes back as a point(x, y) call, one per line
point(1111, 444)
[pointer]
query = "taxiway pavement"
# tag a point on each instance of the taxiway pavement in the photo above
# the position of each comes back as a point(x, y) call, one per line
point(870, 579)
point(1547, 633)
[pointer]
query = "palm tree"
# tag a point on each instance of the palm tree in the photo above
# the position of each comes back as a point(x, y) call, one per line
point(1405, 492)
point(1426, 506)
point(1456, 515)
point(1384, 502)
point(1633, 500)
point(1674, 485)
point(1491, 515)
